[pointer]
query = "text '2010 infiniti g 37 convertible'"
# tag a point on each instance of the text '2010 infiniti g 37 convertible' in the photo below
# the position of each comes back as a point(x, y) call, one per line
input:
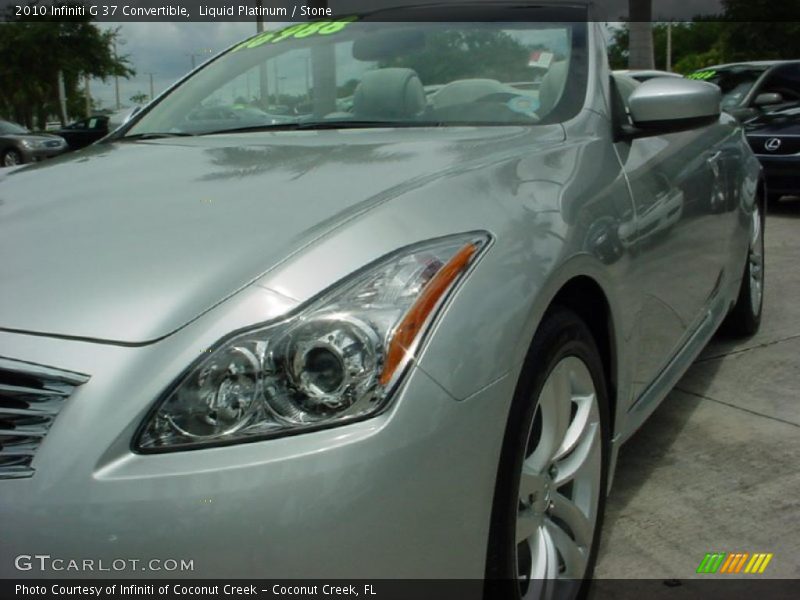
point(366, 298)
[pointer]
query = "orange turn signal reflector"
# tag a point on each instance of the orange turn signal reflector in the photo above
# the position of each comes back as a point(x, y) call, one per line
point(415, 318)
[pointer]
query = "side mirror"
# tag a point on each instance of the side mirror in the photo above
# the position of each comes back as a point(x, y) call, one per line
point(768, 99)
point(668, 105)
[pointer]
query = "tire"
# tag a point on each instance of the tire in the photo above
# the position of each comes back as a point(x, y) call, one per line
point(11, 158)
point(745, 316)
point(773, 199)
point(562, 377)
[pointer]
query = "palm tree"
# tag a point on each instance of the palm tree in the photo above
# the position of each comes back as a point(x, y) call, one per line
point(640, 49)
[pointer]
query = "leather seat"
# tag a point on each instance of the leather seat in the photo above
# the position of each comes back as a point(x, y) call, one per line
point(389, 94)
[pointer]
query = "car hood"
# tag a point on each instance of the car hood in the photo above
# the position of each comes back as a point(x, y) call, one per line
point(33, 137)
point(130, 241)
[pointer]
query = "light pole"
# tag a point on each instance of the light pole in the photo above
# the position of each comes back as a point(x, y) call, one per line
point(669, 45)
point(263, 85)
point(152, 88)
point(196, 53)
point(116, 77)
point(88, 95)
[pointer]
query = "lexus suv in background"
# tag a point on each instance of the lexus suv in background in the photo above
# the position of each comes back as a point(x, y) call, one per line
point(401, 333)
point(775, 138)
point(749, 88)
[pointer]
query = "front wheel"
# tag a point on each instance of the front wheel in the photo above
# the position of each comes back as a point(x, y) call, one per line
point(12, 158)
point(550, 490)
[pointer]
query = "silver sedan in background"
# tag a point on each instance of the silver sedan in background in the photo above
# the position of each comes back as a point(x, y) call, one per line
point(404, 339)
point(19, 146)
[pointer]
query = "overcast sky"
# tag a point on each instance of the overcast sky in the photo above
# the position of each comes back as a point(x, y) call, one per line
point(165, 49)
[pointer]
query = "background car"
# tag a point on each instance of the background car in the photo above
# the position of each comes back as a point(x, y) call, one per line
point(19, 146)
point(84, 132)
point(775, 138)
point(751, 87)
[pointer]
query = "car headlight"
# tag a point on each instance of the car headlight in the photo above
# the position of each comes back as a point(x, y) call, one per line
point(335, 361)
point(32, 144)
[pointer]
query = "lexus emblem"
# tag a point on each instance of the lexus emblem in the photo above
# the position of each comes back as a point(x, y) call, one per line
point(772, 144)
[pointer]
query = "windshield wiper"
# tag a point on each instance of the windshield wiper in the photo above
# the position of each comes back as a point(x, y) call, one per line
point(320, 125)
point(156, 135)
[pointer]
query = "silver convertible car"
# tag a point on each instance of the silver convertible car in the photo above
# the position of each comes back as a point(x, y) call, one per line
point(401, 332)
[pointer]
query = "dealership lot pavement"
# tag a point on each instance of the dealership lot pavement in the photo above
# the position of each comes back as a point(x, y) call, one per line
point(717, 467)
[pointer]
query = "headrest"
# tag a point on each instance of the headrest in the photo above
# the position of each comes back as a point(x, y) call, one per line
point(389, 94)
point(552, 87)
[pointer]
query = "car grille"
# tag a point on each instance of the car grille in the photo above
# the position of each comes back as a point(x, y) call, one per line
point(31, 396)
point(785, 145)
point(53, 144)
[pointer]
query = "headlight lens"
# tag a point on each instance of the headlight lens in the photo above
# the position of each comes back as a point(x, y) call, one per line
point(333, 362)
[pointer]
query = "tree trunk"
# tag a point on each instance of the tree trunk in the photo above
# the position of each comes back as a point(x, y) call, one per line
point(640, 50)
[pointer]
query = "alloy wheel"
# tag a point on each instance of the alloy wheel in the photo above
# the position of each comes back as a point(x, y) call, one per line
point(756, 260)
point(11, 159)
point(559, 490)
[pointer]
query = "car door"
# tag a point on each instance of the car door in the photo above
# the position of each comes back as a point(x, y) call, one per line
point(678, 242)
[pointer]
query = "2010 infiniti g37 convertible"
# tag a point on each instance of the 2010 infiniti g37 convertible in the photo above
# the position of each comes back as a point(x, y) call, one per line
point(400, 331)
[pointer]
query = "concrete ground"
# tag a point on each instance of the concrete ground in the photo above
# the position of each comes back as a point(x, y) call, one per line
point(717, 466)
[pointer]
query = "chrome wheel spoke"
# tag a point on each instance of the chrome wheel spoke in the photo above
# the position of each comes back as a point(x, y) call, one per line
point(528, 525)
point(573, 556)
point(577, 428)
point(545, 556)
point(571, 465)
point(565, 510)
point(554, 410)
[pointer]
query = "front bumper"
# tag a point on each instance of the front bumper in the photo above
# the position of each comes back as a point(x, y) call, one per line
point(37, 154)
point(404, 495)
point(782, 174)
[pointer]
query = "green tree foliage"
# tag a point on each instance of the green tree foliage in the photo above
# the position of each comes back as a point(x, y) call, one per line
point(34, 51)
point(694, 45)
point(739, 34)
point(452, 55)
point(748, 37)
point(139, 98)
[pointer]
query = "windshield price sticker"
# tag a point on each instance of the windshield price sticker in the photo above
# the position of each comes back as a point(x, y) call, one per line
point(703, 75)
point(298, 32)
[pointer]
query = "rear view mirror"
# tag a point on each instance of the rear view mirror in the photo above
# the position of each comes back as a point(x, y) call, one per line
point(668, 104)
point(768, 99)
point(386, 45)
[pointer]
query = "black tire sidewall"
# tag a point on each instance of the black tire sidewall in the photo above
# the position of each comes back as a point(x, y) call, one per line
point(561, 334)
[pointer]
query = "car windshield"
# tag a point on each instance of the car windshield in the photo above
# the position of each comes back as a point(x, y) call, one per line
point(7, 128)
point(735, 83)
point(370, 74)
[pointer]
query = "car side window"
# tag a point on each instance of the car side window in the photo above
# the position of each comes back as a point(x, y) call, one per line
point(784, 81)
